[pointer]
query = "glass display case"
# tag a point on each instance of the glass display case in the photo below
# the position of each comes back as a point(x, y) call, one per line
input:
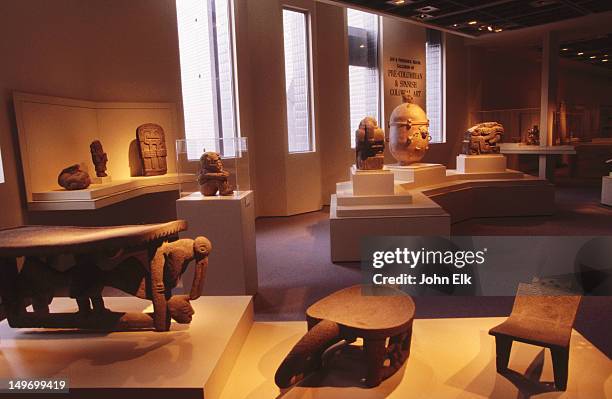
point(234, 156)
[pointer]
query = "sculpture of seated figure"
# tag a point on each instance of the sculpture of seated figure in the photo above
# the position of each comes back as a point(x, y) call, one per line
point(482, 138)
point(370, 145)
point(212, 177)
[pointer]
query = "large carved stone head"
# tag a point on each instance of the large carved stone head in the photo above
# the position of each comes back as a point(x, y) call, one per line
point(409, 133)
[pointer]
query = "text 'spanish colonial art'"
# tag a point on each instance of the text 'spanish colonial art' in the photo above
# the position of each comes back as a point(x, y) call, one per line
point(212, 177)
point(98, 157)
point(483, 138)
point(409, 132)
point(73, 178)
point(152, 149)
point(370, 145)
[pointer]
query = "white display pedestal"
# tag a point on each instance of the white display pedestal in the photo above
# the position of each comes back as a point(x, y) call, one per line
point(229, 223)
point(418, 174)
point(189, 361)
point(606, 190)
point(371, 182)
point(481, 163)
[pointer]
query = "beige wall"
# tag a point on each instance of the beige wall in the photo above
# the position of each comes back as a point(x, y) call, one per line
point(112, 50)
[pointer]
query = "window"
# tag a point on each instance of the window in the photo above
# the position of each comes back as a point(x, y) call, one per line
point(1, 170)
point(364, 78)
point(434, 90)
point(297, 81)
point(207, 75)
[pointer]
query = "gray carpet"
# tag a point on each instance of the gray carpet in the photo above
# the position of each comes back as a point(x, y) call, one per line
point(295, 269)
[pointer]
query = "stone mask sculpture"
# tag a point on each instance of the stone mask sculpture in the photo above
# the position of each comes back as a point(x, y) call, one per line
point(409, 132)
point(212, 177)
point(74, 178)
point(483, 138)
point(370, 145)
point(98, 157)
point(152, 149)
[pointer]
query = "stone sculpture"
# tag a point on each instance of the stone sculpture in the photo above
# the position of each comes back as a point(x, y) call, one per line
point(339, 319)
point(533, 136)
point(152, 149)
point(134, 259)
point(73, 178)
point(370, 145)
point(409, 132)
point(98, 157)
point(483, 138)
point(212, 177)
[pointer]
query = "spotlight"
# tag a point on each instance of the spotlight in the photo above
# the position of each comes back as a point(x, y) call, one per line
point(455, 25)
point(580, 53)
point(564, 49)
point(490, 28)
point(362, 46)
point(604, 60)
point(498, 30)
point(593, 56)
point(472, 22)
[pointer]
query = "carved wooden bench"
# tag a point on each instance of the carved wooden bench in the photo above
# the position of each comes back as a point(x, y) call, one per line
point(138, 259)
point(342, 317)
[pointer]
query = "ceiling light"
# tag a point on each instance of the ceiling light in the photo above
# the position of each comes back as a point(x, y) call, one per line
point(490, 28)
point(580, 53)
point(472, 22)
point(362, 46)
point(455, 25)
point(564, 49)
point(593, 56)
point(396, 2)
point(427, 9)
point(604, 60)
point(498, 30)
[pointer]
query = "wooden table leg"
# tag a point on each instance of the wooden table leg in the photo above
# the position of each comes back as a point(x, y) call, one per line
point(375, 351)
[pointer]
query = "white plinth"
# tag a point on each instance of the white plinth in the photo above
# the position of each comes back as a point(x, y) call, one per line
point(371, 182)
point(490, 163)
point(101, 180)
point(229, 223)
point(418, 174)
point(606, 190)
point(189, 361)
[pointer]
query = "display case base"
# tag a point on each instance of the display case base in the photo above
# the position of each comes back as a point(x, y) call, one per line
point(229, 223)
point(371, 182)
point(481, 163)
point(606, 190)
point(437, 368)
point(418, 174)
point(189, 361)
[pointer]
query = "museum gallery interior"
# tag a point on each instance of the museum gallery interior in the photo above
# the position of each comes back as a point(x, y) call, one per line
point(202, 198)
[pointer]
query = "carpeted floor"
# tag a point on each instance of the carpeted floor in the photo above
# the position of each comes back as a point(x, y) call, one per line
point(295, 269)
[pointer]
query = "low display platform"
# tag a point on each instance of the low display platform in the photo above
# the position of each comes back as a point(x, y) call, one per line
point(371, 182)
point(606, 190)
point(437, 366)
point(418, 174)
point(189, 361)
point(229, 223)
point(481, 163)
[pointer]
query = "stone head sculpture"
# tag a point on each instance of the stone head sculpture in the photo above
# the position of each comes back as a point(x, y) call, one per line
point(369, 145)
point(213, 178)
point(483, 138)
point(152, 149)
point(98, 157)
point(409, 133)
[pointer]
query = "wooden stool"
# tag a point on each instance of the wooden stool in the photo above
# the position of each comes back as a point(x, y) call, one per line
point(346, 315)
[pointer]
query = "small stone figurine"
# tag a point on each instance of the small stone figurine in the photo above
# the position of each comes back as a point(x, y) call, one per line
point(98, 157)
point(533, 136)
point(370, 145)
point(73, 178)
point(482, 138)
point(212, 177)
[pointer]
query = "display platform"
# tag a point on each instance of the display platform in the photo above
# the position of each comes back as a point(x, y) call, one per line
point(606, 190)
point(418, 174)
point(437, 366)
point(229, 223)
point(371, 182)
point(189, 361)
point(481, 163)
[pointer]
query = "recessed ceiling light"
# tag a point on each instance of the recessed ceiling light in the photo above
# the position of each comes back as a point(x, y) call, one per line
point(424, 16)
point(498, 30)
point(604, 60)
point(427, 9)
point(472, 22)
point(455, 25)
point(396, 2)
point(593, 56)
point(580, 53)
point(490, 28)
point(362, 46)
point(564, 49)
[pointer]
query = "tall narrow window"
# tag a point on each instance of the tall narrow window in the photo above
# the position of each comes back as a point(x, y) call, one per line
point(207, 75)
point(1, 170)
point(364, 79)
point(434, 90)
point(297, 80)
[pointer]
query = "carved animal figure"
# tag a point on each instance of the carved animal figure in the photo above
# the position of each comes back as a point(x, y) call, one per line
point(483, 138)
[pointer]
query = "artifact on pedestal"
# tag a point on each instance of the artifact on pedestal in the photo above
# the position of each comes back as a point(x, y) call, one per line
point(98, 157)
point(135, 259)
point(409, 132)
point(152, 149)
point(212, 177)
point(339, 319)
point(370, 145)
point(73, 178)
point(483, 138)
point(533, 136)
